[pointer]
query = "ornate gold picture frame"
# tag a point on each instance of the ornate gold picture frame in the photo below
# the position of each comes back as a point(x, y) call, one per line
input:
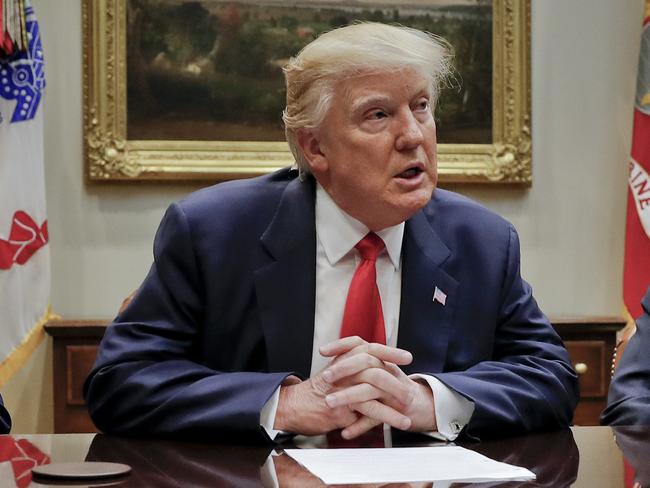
point(111, 156)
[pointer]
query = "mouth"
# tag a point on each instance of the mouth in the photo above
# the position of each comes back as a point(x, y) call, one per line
point(411, 172)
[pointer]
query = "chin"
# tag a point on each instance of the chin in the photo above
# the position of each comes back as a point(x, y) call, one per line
point(400, 208)
point(406, 209)
point(418, 198)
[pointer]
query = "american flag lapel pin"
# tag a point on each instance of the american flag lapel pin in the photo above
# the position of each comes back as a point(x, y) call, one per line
point(439, 296)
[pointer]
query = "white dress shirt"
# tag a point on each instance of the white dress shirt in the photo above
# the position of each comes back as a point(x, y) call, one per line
point(336, 261)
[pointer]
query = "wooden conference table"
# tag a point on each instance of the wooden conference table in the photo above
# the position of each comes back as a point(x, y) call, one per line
point(581, 457)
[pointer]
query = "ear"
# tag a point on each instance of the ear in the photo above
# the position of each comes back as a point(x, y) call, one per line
point(312, 149)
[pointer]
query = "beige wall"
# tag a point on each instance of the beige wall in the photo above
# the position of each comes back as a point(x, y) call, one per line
point(571, 222)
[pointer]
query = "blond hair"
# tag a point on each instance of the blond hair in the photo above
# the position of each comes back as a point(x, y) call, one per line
point(356, 49)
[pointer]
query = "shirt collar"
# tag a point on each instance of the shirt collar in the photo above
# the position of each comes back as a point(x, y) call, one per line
point(338, 232)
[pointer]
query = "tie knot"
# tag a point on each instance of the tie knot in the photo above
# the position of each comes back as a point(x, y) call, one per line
point(370, 246)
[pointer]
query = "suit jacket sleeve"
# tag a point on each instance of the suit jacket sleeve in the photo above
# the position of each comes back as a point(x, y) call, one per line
point(528, 383)
point(5, 420)
point(151, 375)
point(628, 402)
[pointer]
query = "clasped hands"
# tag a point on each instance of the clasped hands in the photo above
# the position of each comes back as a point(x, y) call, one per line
point(360, 388)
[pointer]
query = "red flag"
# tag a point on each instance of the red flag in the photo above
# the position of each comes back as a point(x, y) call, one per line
point(23, 456)
point(636, 274)
point(2, 25)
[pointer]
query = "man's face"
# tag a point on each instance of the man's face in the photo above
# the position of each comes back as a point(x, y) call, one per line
point(375, 152)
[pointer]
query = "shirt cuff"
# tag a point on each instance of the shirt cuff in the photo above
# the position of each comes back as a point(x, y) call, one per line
point(453, 411)
point(268, 476)
point(267, 415)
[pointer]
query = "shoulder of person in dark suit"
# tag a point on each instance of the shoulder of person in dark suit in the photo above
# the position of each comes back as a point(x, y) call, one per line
point(628, 402)
point(5, 419)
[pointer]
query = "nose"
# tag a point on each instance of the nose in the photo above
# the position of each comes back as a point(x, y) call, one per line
point(409, 133)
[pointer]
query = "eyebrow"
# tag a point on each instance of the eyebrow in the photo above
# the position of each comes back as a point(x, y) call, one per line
point(367, 101)
point(375, 99)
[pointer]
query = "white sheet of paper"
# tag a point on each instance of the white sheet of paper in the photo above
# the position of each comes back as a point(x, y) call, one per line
point(405, 464)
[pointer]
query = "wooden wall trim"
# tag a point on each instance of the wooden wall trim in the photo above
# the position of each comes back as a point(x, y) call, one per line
point(96, 327)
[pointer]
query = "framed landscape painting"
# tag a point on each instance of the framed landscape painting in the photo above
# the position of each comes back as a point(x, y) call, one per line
point(186, 90)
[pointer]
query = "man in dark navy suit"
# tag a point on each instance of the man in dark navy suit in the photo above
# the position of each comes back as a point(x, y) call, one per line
point(5, 420)
point(628, 402)
point(342, 294)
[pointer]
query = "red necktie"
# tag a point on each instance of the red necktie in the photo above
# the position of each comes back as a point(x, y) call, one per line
point(363, 315)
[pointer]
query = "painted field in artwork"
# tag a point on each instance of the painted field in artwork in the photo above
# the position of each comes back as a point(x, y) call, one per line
point(211, 69)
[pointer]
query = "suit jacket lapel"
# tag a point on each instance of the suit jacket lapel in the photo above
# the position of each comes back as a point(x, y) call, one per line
point(425, 324)
point(286, 284)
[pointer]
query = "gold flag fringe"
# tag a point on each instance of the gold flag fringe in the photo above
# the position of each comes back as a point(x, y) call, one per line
point(19, 356)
